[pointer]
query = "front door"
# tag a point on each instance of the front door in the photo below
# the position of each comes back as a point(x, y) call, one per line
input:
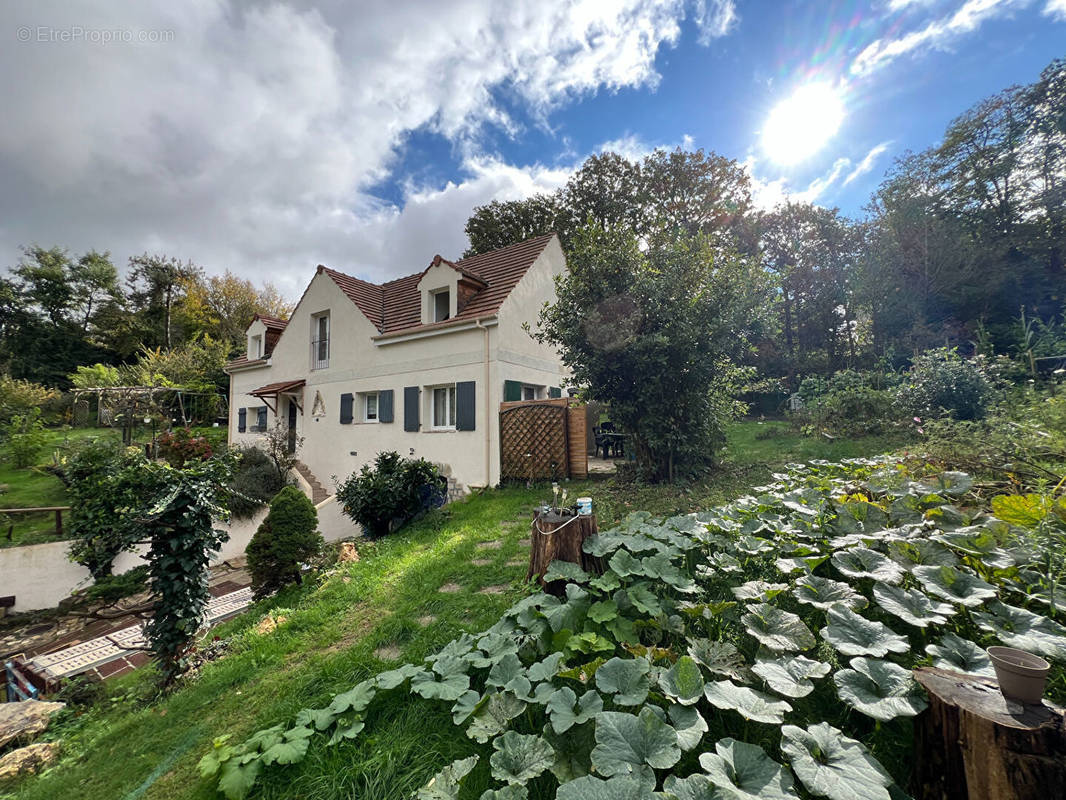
point(292, 425)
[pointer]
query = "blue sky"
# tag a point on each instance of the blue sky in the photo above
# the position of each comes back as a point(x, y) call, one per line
point(268, 137)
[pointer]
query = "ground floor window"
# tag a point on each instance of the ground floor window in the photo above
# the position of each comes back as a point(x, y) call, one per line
point(444, 407)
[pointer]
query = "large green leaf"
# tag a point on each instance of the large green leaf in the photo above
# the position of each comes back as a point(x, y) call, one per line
point(492, 717)
point(758, 590)
point(789, 675)
point(563, 713)
point(823, 592)
point(854, 635)
point(624, 564)
point(922, 552)
point(960, 655)
point(1024, 510)
point(520, 757)
point(862, 562)
point(508, 792)
point(777, 629)
point(565, 571)
point(626, 679)
point(545, 669)
point(879, 689)
point(445, 784)
point(573, 751)
point(743, 771)
point(721, 658)
point(694, 787)
point(749, 703)
point(450, 688)
point(683, 682)
point(954, 585)
point(625, 742)
point(394, 677)
point(689, 724)
point(1016, 627)
point(830, 764)
point(620, 787)
point(912, 606)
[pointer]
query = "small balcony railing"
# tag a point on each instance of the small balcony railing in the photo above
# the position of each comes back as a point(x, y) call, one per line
point(319, 353)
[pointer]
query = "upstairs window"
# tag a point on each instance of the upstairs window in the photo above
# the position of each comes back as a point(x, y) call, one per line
point(370, 407)
point(441, 305)
point(255, 347)
point(320, 341)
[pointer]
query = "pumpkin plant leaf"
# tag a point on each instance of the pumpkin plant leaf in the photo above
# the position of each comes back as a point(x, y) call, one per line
point(823, 592)
point(743, 771)
point(683, 682)
point(492, 717)
point(445, 784)
point(627, 742)
point(854, 635)
point(777, 629)
point(626, 679)
point(721, 658)
point(960, 655)
point(561, 708)
point(520, 757)
point(749, 703)
point(954, 585)
point(689, 724)
point(912, 606)
point(830, 764)
point(862, 562)
point(758, 590)
point(1016, 627)
point(879, 689)
point(789, 675)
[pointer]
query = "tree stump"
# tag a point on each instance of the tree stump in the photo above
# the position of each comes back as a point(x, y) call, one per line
point(556, 538)
point(972, 744)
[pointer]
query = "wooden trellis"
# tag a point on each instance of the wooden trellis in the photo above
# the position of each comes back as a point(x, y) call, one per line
point(542, 440)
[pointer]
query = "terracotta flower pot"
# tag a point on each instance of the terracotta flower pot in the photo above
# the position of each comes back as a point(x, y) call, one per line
point(1021, 676)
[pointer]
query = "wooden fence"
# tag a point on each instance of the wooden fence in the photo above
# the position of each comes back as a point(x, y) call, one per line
point(542, 440)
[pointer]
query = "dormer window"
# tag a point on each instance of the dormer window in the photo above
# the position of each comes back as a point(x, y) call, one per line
point(441, 305)
point(255, 347)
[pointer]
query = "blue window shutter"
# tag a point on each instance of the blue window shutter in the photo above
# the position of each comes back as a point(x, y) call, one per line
point(261, 418)
point(554, 391)
point(512, 391)
point(347, 401)
point(465, 409)
point(385, 405)
point(242, 420)
point(410, 408)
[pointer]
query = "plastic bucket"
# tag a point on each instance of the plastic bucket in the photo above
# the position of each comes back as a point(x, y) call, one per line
point(584, 506)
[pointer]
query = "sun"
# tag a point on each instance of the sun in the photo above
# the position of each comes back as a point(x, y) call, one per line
point(799, 126)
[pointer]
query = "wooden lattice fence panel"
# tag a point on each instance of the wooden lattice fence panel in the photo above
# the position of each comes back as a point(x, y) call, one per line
point(533, 441)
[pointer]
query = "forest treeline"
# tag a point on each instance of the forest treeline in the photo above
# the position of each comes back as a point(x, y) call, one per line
point(59, 312)
point(962, 245)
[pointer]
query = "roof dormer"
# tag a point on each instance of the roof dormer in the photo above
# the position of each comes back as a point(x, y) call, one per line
point(445, 289)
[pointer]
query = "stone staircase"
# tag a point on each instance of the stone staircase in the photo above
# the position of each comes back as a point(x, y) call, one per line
point(318, 491)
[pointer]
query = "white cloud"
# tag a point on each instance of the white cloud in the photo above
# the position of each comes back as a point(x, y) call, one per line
point(867, 162)
point(715, 18)
point(937, 34)
point(1056, 9)
point(252, 139)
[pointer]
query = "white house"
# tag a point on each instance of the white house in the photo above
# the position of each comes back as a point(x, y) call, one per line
point(418, 365)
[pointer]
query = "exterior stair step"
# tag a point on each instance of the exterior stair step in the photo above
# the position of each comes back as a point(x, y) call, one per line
point(318, 491)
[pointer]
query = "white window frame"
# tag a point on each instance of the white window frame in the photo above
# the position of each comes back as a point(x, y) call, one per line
point(434, 297)
point(317, 362)
point(449, 407)
point(255, 346)
point(366, 396)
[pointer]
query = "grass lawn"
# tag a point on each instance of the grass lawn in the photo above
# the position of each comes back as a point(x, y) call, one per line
point(456, 570)
point(34, 487)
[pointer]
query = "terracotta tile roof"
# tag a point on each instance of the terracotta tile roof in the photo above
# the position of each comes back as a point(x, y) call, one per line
point(272, 323)
point(244, 361)
point(396, 306)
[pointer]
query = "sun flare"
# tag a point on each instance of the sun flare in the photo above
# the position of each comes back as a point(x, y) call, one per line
point(799, 126)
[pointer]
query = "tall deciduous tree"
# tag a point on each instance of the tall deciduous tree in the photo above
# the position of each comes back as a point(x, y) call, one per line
point(652, 329)
point(156, 285)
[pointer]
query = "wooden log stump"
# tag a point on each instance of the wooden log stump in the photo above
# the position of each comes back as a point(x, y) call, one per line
point(972, 744)
point(556, 538)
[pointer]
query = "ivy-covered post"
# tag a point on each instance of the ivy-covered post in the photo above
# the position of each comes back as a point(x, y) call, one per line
point(182, 538)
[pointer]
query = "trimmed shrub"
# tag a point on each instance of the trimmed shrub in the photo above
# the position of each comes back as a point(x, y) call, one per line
point(287, 538)
point(255, 482)
point(393, 491)
point(942, 383)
